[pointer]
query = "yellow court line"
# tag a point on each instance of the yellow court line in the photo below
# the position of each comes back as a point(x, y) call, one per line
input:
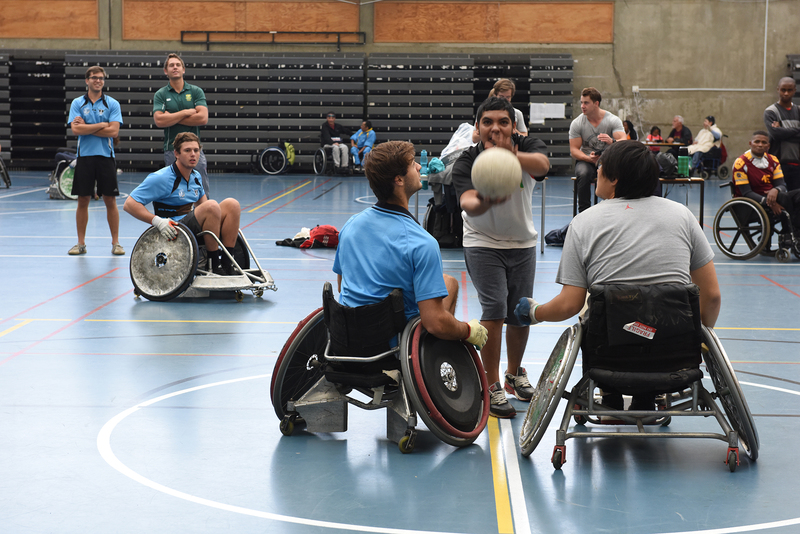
point(502, 501)
point(276, 198)
point(20, 325)
point(183, 321)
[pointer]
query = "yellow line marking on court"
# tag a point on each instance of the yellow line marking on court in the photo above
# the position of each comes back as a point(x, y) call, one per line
point(16, 326)
point(502, 502)
point(281, 196)
point(183, 321)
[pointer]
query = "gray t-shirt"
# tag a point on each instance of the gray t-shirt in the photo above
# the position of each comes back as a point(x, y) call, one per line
point(581, 127)
point(642, 241)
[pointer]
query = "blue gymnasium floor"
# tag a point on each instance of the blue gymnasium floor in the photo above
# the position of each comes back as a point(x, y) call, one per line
point(123, 415)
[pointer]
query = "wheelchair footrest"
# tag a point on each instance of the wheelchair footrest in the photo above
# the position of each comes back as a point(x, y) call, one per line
point(359, 381)
point(636, 383)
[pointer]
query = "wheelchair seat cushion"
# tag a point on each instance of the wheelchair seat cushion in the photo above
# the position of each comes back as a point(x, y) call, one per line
point(637, 383)
point(365, 330)
point(643, 328)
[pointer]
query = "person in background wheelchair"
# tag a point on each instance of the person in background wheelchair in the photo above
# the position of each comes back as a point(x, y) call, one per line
point(177, 195)
point(758, 175)
point(384, 248)
point(630, 238)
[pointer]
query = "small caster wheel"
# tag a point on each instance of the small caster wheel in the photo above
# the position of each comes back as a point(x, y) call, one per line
point(579, 419)
point(239, 296)
point(783, 255)
point(136, 293)
point(704, 175)
point(287, 426)
point(733, 460)
point(258, 293)
point(666, 421)
point(558, 458)
point(722, 172)
point(407, 442)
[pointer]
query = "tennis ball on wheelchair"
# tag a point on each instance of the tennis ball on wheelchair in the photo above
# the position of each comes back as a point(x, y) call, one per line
point(496, 173)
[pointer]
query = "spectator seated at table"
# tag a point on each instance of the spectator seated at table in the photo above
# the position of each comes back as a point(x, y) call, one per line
point(710, 137)
point(679, 134)
point(655, 137)
point(630, 131)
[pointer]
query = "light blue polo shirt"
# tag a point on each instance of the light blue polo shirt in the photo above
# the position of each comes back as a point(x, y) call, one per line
point(383, 248)
point(160, 187)
point(105, 109)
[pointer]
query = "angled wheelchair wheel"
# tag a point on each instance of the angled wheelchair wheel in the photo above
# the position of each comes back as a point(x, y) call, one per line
point(161, 269)
point(320, 161)
point(729, 393)
point(294, 375)
point(723, 172)
point(446, 383)
point(272, 160)
point(65, 182)
point(741, 228)
point(4, 172)
point(549, 389)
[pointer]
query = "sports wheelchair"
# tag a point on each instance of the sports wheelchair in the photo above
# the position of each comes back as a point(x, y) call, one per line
point(337, 351)
point(624, 326)
point(4, 173)
point(323, 161)
point(162, 270)
point(743, 229)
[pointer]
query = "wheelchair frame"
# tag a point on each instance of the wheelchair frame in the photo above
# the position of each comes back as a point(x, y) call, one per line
point(301, 394)
point(162, 270)
point(695, 400)
point(4, 173)
point(741, 222)
point(323, 161)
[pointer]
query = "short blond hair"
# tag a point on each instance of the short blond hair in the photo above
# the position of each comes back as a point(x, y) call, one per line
point(176, 56)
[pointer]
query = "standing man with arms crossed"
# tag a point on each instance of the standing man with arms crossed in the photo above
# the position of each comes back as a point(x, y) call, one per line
point(384, 248)
point(500, 247)
point(180, 107)
point(589, 134)
point(95, 119)
point(782, 120)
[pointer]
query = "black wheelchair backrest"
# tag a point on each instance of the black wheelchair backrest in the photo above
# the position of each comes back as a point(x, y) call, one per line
point(364, 330)
point(643, 328)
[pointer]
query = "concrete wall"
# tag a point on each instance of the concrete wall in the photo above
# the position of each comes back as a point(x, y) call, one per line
point(689, 57)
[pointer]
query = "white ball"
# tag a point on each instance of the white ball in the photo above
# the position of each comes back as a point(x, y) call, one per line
point(496, 173)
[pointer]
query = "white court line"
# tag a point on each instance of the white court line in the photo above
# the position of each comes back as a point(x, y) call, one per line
point(519, 510)
point(510, 453)
point(24, 192)
point(104, 446)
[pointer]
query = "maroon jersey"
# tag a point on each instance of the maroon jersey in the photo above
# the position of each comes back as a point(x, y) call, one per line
point(760, 180)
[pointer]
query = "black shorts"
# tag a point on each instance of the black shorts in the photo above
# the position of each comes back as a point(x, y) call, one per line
point(191, 223)
point(91, 170)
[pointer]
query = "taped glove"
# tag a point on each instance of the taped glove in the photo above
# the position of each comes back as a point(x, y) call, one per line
point(477, 334)
point(525, 311)
point(166, 227)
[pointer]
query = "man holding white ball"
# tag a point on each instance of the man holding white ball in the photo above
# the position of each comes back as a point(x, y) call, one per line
point(495, 192)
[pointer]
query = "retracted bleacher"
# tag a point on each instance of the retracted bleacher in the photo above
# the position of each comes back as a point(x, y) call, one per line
point(254, 101)
point(551, 78)
point(5, 108)
point(421, 98)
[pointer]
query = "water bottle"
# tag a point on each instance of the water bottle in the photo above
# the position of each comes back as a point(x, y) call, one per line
point(423, 161)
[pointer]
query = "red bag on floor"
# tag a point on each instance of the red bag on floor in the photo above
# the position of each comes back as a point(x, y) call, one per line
point(322, 236)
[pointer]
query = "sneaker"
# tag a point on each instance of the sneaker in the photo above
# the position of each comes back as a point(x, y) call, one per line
point(518, 385)
point(117, 250)
point(500, 407)
point(77, 250)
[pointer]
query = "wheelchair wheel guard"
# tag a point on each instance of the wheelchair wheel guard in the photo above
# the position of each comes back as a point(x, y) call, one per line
point(446, 383)
point(549, 390)
point(730, 393)
point(65, 182)
point(161, 269)
point(741, 228)
point(293, 376)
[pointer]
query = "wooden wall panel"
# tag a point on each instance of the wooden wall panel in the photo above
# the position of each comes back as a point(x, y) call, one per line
point(494, 22)
point(145, 19)
point(49, 19)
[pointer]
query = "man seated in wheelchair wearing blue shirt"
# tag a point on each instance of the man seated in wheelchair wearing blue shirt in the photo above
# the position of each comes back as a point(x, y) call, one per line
point(384, 248)
point(630, 238)
point(177, 195)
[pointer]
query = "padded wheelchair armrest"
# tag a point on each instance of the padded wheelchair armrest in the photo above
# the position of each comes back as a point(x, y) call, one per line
point(633, 383)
